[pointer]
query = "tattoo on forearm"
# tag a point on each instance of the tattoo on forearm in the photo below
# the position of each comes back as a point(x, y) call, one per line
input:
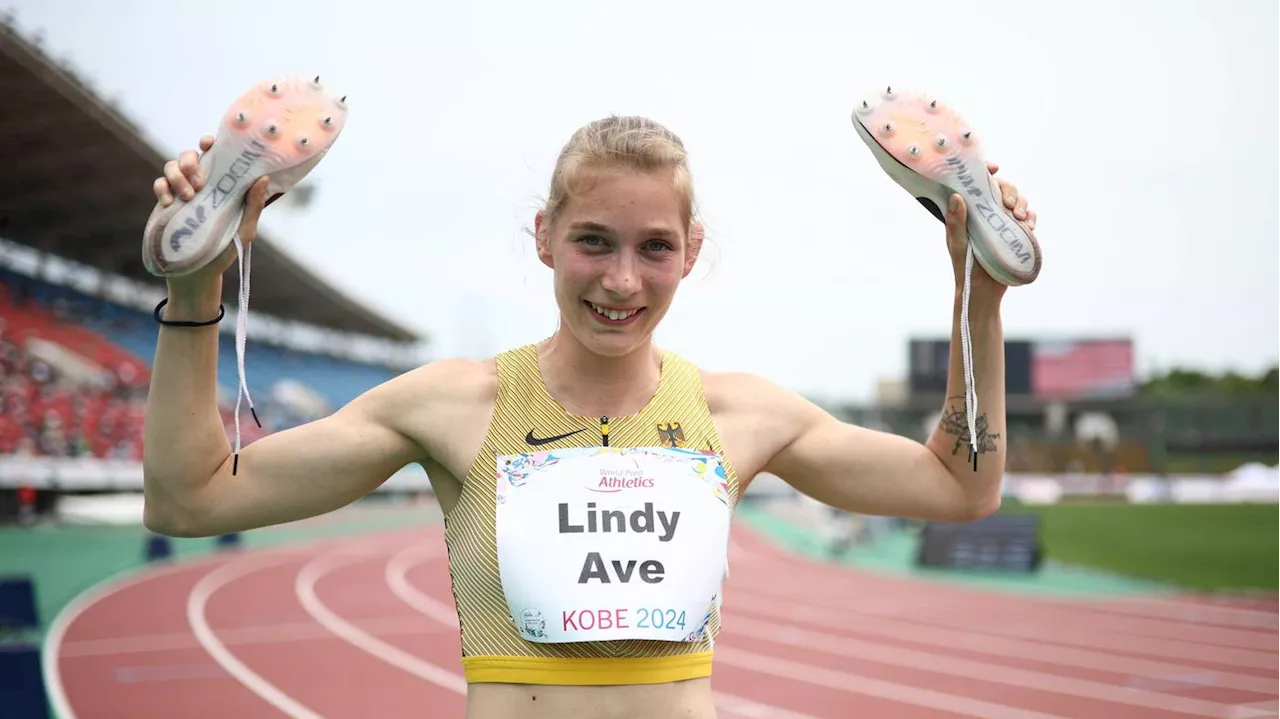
point(956, 422)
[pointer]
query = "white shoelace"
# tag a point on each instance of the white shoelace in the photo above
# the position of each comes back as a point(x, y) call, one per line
point(245, 255)
point(966, 353)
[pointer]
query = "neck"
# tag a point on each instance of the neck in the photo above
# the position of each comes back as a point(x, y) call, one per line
point(587, 384)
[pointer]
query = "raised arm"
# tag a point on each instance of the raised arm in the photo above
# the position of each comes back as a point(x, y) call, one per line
point(873, 472)
point(300, 472)
point(189, 485)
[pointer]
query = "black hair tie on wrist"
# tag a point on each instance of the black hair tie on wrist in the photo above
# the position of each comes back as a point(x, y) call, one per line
point(222, 311)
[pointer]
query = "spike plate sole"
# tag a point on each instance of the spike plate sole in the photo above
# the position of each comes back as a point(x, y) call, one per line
point(927, 148)
point(281, 127)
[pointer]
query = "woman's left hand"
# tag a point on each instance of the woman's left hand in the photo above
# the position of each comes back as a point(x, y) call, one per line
point(983, 286)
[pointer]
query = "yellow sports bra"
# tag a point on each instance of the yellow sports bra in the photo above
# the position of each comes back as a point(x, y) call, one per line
point(591, 550)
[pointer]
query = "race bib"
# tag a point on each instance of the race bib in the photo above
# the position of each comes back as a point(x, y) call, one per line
point(604, 543)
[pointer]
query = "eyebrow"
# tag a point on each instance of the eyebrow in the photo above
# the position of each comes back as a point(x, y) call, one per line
point(597, 227)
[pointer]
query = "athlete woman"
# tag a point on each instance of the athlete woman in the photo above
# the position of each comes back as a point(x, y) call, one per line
point(587, 480)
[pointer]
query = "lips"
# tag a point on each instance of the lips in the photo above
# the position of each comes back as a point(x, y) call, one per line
point(613, 314)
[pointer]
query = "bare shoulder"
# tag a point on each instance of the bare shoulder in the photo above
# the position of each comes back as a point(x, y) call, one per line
point(755, 417)
point(730, 391)
point(445, 380)
point(445, 406)
point(745, 393)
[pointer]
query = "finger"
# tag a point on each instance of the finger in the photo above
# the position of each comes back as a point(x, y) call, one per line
point(992, 167)
point(206, 142)
point(956, 216)
point(178, 184)
point(161, 188)
point(1010, 195)
point(254, 202)
point(1031, 219)
point(189, 163)
point(1020, 209)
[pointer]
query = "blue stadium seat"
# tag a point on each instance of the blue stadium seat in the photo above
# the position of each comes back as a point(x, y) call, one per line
point(22, 690)
point(18, 604)
point(335, 380)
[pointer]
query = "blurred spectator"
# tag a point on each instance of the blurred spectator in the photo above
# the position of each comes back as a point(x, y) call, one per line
point(40, 414)
point(43, 415)
point(74, 376)
point(26, 504)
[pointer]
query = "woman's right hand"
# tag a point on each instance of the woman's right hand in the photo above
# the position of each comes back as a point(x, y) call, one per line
point(182, 179)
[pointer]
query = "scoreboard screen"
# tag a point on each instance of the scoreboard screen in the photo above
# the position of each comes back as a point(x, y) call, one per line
point(930, 359)
point(1001, 542)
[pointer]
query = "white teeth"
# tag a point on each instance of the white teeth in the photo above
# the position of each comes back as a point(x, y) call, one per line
point(613, 314)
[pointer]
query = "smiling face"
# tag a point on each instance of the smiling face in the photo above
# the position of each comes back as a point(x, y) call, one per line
point(619, 246)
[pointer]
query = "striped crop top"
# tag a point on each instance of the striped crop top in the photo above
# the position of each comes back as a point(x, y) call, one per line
point(591, 550)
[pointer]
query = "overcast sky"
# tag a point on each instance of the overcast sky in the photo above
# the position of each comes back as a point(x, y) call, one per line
point(1144, 134)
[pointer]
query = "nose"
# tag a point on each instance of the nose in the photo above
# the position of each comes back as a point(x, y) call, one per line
point(622, 279)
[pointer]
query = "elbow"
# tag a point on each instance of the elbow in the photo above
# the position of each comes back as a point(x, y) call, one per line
point(172, 524)
point(963, 509)
point(981, 507)
point(160, 518)
point(165, 516)
point(158, 521)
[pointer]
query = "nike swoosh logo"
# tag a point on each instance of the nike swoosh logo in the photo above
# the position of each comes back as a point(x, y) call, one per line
point(535, 441)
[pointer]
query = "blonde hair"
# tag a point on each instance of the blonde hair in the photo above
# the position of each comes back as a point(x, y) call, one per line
point(631, 142)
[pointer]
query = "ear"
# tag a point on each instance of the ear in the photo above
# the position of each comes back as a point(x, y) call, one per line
point(694, 247)
point(542, 238)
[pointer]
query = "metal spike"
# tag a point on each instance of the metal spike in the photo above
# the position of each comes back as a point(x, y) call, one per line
point(344, 99)
point(275, 88)
point(933, 104)
point(888, 90)
point(968, 134)
point(328, 121)
point(865, 105)
point(914, 151)
point(317, 79)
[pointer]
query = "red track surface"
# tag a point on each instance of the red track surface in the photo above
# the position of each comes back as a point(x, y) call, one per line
point(355, 626)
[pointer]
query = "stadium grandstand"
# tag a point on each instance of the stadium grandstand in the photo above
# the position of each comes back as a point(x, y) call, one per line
point(77, 336)
point(1078, 416)
point(76, 331)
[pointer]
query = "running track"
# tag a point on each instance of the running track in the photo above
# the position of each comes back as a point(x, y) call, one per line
point(366, 625)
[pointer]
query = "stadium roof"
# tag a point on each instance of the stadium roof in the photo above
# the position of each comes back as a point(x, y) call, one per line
point(75, 182)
